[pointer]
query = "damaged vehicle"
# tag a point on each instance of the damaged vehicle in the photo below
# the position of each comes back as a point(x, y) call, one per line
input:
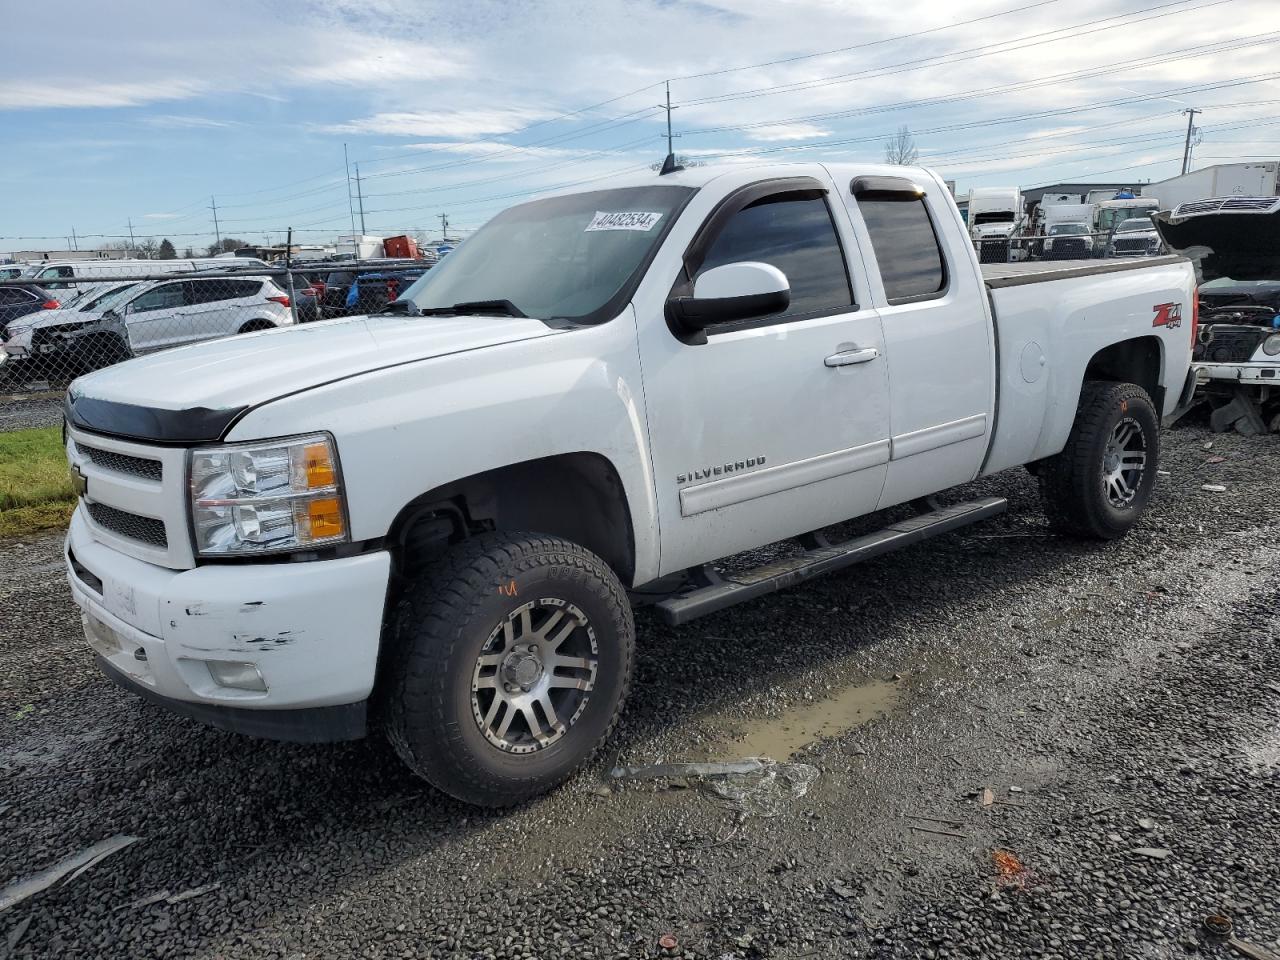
point(433, 520)
point(1235, 244)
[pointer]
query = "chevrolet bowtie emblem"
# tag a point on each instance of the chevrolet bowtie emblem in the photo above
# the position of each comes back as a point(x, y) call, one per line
point(79, 482)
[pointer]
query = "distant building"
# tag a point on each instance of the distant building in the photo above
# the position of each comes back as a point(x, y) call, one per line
point(21, 255)
point(1079, 191)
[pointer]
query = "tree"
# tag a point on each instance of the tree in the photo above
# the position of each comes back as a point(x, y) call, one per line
point(225, 245)
point(188, 253)
point(901, 150)
point(166, 251)
point(682, 160)
point(147, 249)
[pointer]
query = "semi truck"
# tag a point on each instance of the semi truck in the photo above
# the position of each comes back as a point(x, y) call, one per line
point(995, 218)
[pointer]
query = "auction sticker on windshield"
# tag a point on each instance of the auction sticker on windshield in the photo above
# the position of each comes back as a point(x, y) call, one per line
point(624, 220)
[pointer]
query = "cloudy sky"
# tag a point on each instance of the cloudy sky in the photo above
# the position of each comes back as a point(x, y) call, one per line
point(143, 111)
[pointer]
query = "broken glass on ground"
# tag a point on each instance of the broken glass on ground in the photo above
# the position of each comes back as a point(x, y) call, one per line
point(756, 786)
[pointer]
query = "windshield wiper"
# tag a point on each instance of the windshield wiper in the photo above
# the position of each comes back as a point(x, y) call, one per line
point(402, 306)
point(475, 308)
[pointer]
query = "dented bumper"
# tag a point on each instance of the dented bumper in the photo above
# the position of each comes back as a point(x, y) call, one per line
point(310, 632)
point(1260, 372)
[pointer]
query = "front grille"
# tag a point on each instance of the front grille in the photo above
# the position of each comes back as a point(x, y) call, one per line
point(1233, 345)
point(123, 463)
point(143, 529)
point(1233, 204)
point(1133, 246)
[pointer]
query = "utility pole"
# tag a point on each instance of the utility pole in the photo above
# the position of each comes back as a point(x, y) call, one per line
point(132, 244)
point(75, 243)
point(1186, 147)
point(668, 107)
point(444, 226)
point(351, 209)
point(669, 165)
point(217, 234)
point(360, 197)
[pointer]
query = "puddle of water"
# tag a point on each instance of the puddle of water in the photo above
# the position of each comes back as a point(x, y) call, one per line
point(782, 736)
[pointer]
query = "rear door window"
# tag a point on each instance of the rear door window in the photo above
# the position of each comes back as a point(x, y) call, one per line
point(906, 247)
point(165, 297)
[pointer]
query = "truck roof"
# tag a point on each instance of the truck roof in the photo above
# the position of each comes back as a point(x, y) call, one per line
point(698, 177)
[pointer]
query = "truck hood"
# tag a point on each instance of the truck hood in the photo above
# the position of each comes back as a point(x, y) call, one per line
point(993, 229)
point(1228, 239)
point(195, 393)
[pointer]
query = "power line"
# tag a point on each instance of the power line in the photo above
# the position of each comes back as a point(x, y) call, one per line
point(984, 50)
point(869, 43)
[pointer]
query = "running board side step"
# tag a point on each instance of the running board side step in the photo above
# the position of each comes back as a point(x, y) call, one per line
point(716, 591)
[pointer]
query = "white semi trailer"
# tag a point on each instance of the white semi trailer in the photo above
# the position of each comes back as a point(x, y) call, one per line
point(1216, 182)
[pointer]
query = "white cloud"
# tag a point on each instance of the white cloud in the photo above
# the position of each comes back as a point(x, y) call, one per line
point(440, 123)
point(788, 131)
point(57, 92)
point(176, 121)
point(159, 216)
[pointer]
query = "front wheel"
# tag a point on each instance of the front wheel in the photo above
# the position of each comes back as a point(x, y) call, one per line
point(1100, 483)
point(512, 656)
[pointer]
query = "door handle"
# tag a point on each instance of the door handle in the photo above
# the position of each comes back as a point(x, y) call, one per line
point(846, 357)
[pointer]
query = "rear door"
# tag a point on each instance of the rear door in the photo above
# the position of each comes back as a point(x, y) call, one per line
point(932, 307)
point(219, 307)
point(763, 431)
point(153, 318)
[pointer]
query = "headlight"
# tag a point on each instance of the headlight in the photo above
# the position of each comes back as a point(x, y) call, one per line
point(267, 497)
point(1271, 345)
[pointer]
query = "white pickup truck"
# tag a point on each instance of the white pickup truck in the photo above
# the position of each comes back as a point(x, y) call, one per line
point(433, 516)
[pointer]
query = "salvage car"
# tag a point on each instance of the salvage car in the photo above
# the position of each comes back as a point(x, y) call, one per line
point(441, 512)
point(1235, 244)
point(1136, 237)
point(1068, 241)
point(153, 315)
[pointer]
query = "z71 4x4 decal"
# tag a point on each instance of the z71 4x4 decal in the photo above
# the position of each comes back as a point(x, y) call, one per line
point(1167, 315)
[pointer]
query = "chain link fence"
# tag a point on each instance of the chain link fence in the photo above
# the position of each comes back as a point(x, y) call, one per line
point(1073, 245)
point(57, 323)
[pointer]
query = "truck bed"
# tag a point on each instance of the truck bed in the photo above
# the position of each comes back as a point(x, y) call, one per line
point(1042, 271)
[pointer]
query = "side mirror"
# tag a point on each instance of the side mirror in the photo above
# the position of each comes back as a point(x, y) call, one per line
point(734, 291)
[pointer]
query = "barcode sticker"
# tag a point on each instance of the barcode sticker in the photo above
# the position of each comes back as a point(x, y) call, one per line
point(624, 220)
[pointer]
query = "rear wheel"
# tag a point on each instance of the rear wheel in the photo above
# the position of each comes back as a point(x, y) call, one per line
point(1100, 483)
point(254, 325)
point(512, 657)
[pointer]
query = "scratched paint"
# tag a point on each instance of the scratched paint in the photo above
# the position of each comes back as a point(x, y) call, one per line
point(267, 640)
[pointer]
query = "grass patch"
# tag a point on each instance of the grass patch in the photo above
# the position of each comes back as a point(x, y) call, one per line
point(35, 488)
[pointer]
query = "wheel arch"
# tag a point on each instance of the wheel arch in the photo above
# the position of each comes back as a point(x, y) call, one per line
point(577, 496)
point(1138, 360)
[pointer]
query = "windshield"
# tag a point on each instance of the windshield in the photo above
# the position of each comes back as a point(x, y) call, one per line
point(1068, 228)
point(1000, 216)
point(563, 257)
point(1129, 226)
point(100, 298)
point(113, 300)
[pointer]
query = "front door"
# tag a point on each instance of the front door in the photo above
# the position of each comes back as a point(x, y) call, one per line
point(776, 426)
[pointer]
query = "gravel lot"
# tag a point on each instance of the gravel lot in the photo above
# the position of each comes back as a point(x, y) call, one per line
point(27, 411)
point(1111, 698)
